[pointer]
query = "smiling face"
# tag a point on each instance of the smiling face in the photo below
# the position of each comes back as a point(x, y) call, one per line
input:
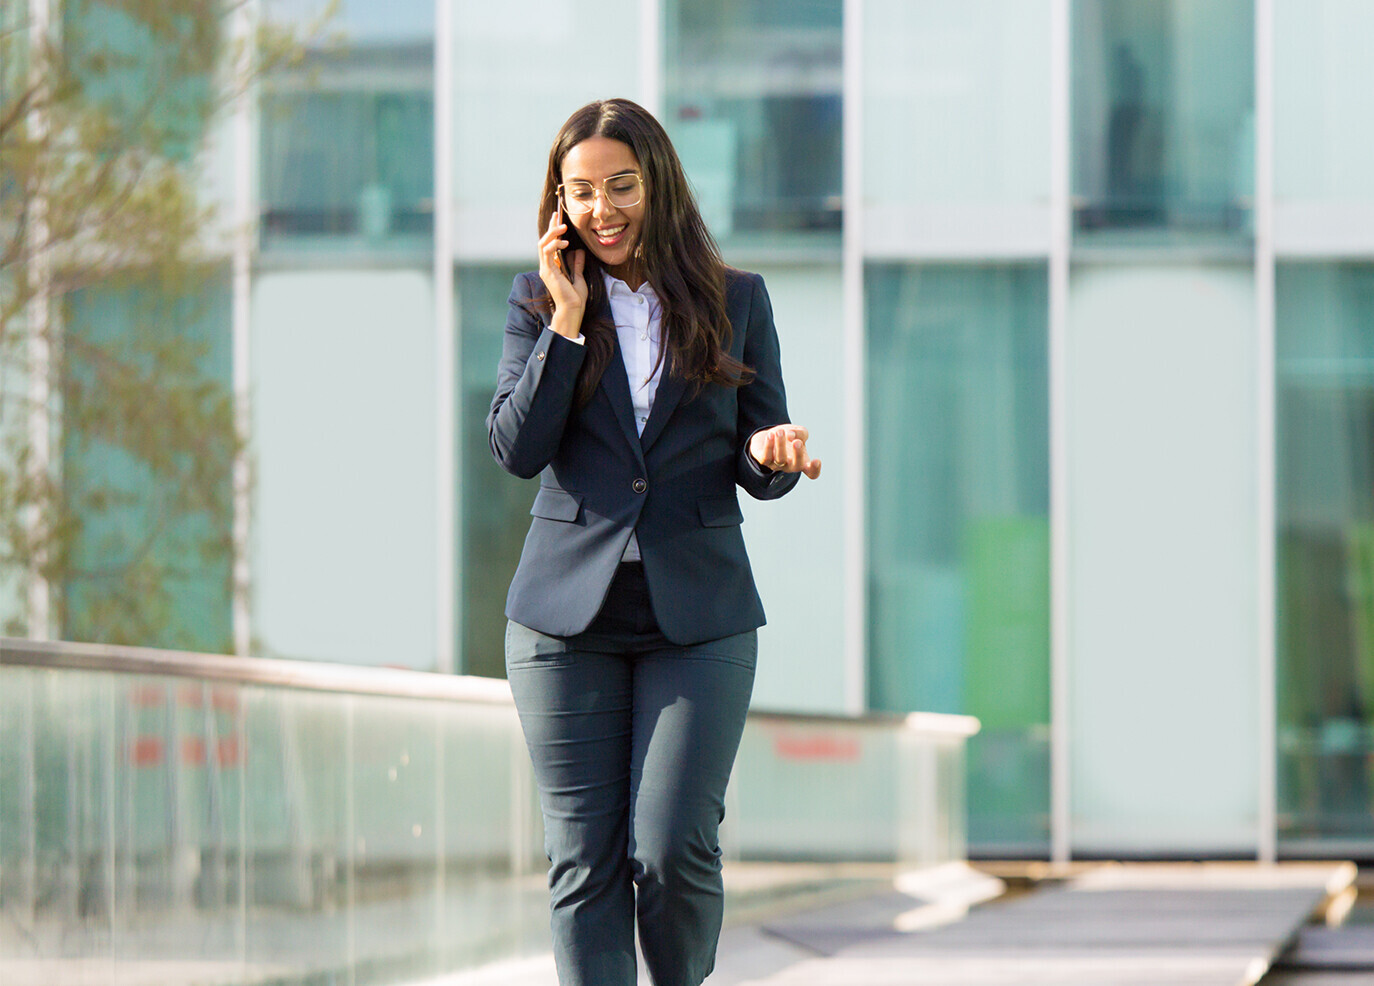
point(610, 233)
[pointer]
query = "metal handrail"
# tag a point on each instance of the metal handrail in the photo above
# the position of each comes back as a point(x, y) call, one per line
point(353, 679)
point(320, 676)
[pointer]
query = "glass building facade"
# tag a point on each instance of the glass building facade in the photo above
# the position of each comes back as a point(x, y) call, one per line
point(1075, 297)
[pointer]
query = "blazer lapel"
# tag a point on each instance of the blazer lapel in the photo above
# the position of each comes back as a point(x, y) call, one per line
point(616, 382)
point(666, 398)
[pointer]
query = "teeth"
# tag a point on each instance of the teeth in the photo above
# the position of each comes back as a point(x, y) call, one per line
point(607, 234)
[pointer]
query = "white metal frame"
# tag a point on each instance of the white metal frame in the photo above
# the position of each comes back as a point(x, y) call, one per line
point(1060, 451)
point(651, 43)
point(855, 496)
point(1265, 416)
point(39, 325)
point(241, 296)
point(447, 355)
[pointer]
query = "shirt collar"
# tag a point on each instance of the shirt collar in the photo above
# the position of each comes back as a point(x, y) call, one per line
point(615, 286)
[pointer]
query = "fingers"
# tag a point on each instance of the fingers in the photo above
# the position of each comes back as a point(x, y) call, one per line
point(783, 449)
point(549, 244)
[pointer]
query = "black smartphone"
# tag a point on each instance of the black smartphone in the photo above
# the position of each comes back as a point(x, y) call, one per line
point(559, 259)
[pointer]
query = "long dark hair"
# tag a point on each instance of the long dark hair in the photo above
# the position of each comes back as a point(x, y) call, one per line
point(675, 253)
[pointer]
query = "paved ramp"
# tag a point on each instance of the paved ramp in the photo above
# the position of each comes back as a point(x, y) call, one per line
point(1199, 925)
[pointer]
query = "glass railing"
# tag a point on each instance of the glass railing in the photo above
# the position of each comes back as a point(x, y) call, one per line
point(180, 818)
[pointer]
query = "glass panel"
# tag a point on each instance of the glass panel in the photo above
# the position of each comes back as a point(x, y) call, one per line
point(347, 136)
point(147, 456)
point(144, 68)
point(958, 523)
point(1160, 398)
point(251, 834)
point(801, 580)
point(520, 69)
point(951, 109)
point(1163, 118)
point(1323, 94)
point(345, 500)
point(495, 504)
point(753, 104)
point(1325, 441)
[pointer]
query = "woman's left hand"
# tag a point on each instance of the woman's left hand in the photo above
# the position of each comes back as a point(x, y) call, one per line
point(782, 448)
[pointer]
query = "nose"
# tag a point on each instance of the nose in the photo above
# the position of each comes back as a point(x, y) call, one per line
point(601, 205)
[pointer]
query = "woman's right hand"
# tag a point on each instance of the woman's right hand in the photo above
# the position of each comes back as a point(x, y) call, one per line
point(568, 289)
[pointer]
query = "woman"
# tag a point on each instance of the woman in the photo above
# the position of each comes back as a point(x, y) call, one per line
point(640, 381)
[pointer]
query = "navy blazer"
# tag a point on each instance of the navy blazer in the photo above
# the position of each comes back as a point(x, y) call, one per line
point(599, 479)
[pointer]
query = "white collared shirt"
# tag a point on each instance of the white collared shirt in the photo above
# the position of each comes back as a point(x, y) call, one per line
point(638, 317)
point(638, 325)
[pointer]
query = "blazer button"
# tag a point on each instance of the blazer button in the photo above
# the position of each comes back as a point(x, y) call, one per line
point(639, 486)
point(539, 356)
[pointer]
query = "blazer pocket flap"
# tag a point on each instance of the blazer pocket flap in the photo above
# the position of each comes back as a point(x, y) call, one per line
point(552, 504)
point(720, 511)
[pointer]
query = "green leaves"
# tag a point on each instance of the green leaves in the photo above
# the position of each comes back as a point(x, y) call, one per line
point(114, 265)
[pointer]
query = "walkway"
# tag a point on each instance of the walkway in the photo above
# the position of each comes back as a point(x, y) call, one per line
point(1116, 925)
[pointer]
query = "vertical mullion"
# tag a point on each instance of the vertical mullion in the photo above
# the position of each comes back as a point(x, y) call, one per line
point(39, 325)
point(855, 564)
point(245, 226)
point(1060, 581)
point(651, 56)
point(1266, 470)
point(448, 356)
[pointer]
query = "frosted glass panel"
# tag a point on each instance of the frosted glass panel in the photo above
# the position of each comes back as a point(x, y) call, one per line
point(1323, 100)
point(958, 528)
point(956, 101)
point(1163, 559)
point(1325, 446)
point(520, 69)
point(801, 665)
point(345, 514)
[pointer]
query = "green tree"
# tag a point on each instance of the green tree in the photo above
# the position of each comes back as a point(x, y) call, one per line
point(114, 297)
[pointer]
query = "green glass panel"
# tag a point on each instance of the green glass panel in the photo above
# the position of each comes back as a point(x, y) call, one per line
point(958, 522)
point(1324, 328)
point(148, 66)
point(495, 504)
point(147, 460)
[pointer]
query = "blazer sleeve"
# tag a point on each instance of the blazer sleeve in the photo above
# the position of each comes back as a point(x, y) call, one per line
point(534, 386)
point(762, 401)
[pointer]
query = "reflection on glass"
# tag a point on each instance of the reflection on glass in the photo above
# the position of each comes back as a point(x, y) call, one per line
point(1163, 116)
point(145, 511)
point(347, 137)
point(238, 833)
point(250, 834)
point(958, 523)
point(495, 504)
point(147, 68)
point(1325, 450)
point(753, 104)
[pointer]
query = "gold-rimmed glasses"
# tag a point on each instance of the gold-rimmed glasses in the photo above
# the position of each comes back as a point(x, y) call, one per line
point(621, 191)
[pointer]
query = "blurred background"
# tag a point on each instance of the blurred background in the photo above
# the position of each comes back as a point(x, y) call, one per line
point(1075, 296)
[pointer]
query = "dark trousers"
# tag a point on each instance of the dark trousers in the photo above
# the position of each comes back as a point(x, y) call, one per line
point(632, 739)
